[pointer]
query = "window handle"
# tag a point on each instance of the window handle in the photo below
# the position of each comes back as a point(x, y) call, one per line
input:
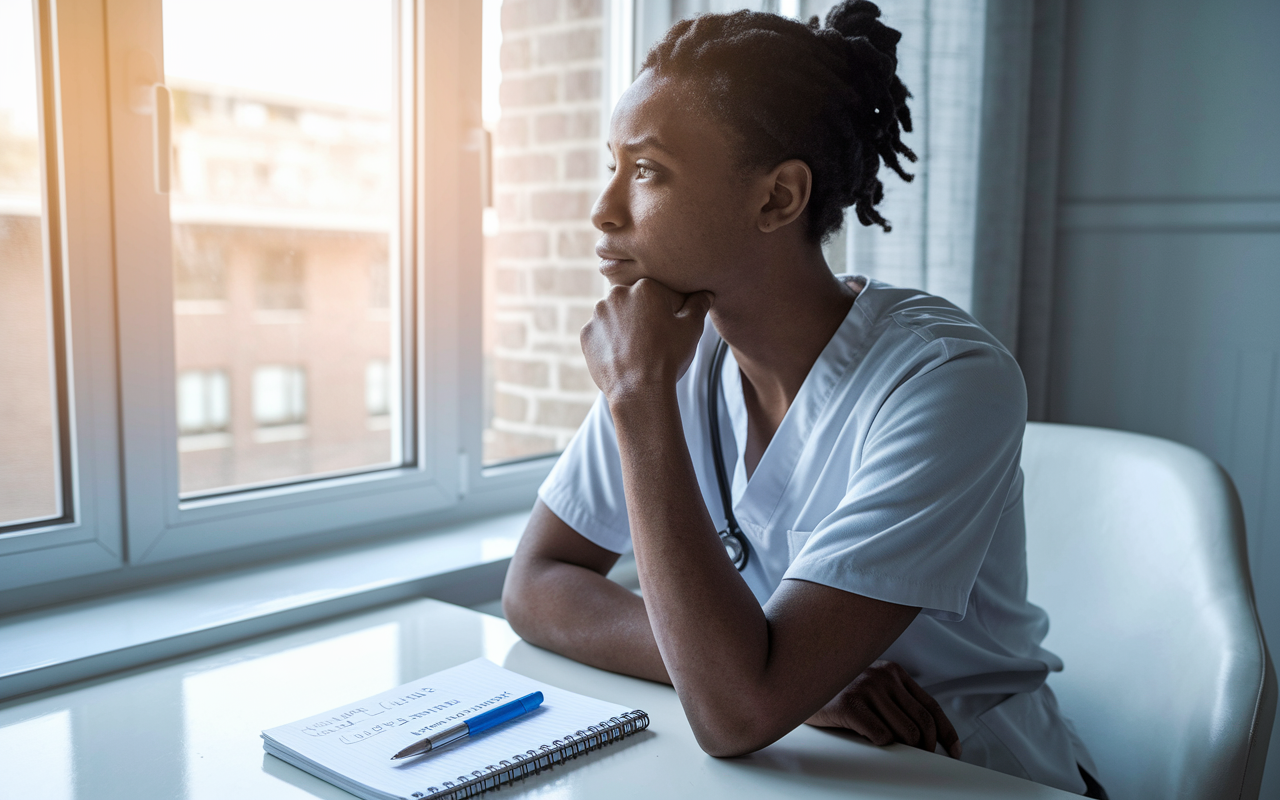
point(161, 126)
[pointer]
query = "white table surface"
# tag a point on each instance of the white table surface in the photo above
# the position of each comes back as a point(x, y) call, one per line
point(189, 728)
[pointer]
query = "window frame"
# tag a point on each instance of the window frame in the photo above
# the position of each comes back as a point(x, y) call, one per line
point(88, 538)
point(129, 527)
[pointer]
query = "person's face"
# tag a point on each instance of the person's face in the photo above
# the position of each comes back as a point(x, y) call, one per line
point(677, 208)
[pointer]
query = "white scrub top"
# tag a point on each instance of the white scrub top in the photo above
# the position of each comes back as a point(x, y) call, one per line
point(895, 474)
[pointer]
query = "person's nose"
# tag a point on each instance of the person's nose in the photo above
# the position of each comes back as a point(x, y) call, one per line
point(610, 209)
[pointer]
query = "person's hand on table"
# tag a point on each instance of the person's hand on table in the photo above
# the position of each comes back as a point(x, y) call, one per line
point(885, 705)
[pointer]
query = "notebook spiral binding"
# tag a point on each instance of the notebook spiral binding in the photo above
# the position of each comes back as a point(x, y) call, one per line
point(534, 761)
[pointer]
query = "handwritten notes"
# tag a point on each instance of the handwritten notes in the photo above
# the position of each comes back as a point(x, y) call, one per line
point(351, 746)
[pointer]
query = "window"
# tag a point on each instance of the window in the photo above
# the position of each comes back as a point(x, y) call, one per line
point(204, 402)
point(314, 286)
point(279, 396)
point(30, 439)
point(377, 389)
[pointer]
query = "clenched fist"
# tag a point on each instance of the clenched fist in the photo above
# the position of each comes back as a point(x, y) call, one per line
point(642, 337)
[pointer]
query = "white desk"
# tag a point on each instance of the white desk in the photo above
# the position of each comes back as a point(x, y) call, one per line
point(189, 728)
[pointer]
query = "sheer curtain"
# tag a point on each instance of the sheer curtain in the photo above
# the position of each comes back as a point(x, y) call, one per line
point(976, 224)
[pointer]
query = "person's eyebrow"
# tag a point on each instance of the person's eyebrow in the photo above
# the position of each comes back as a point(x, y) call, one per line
point(649, 141)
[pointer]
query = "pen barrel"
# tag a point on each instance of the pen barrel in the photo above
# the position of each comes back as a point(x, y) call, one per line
point(504, 713)
point(448, 736)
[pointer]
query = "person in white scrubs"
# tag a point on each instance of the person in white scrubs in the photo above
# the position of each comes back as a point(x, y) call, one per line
point(871, 435)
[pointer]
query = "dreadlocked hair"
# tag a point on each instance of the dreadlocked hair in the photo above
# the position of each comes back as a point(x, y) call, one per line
point(828, 96)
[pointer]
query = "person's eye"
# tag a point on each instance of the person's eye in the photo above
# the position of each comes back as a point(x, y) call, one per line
point(643, 171)
point(611, 167)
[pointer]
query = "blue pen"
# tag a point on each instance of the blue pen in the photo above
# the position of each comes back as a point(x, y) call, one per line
point(487, 720)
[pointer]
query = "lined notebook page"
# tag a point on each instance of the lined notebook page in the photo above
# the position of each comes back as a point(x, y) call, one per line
point(352, 745)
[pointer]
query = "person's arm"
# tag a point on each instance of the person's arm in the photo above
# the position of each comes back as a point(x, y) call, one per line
point(745, 675)
point(556, 596)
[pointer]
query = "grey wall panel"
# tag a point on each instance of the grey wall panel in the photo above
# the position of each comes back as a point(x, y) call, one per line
point(1178, 335)
point(1172, 99)
point(1166, 310)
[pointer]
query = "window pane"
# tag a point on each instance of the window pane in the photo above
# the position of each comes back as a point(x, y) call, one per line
point(285, 209)
point(542, 101)
point(29, 480)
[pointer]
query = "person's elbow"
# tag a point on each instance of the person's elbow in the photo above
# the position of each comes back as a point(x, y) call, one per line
point(737, 731)
point(519, 600)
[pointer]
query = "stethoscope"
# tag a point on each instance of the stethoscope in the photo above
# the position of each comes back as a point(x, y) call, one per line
point(735, 544)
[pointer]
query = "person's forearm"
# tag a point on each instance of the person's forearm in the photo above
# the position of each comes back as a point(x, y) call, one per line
point(711, 631)
point(581, 614)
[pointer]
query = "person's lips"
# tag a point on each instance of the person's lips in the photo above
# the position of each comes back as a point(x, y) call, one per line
point(610, 259)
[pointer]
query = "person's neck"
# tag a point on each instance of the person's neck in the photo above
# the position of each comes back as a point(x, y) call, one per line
point(778, 324)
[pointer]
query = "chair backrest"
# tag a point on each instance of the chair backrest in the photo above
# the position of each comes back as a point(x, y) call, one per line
point(1136, 548)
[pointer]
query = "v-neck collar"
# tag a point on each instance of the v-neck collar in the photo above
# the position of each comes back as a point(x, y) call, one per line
point(756, 499)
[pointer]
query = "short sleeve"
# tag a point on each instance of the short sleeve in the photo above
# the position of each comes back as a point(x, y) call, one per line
point(584, 488)
point(938, 465)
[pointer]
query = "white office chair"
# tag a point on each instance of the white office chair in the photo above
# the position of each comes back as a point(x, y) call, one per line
point(1136, 548)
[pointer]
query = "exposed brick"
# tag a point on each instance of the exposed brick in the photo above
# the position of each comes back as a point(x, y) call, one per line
point(503, 445)
point(517, 15)
point(513, 130)
point(510, 407)
point(581, 164)
point(526, 168)
point(560, 126)
point(576, 316)
point(539, 90)
point(561, 350)
point(577, 244)
point(582, 85)
point(512, 335)
point(545, 318)
point(578, 44)
point(544, 12)
point(510, 281)
point(510, 209)
point(534, 374)
point(523, 244)
point(575, 379)
point(566, 282)
point(584, 9)
point(561, 413)
point(516, 53)
point(561, 204)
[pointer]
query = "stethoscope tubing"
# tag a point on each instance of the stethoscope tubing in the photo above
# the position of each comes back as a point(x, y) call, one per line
point(734, 541)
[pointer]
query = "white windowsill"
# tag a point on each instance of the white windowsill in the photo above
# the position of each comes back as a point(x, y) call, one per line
point(51, 647)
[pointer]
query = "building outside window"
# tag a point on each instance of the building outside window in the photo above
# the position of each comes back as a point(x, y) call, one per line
point(204, 409)
point(377, 389)
point(279, 396)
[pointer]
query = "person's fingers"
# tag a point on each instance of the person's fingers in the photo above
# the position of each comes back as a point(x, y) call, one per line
point(696, 304)
point(904, 729)
point(920, 715)
point(864, 720)
point(947, 736)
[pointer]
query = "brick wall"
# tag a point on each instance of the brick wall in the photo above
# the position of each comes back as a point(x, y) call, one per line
point(542, 279)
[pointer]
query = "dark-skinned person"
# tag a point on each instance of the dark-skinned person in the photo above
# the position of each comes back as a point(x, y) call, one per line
point(871, 574)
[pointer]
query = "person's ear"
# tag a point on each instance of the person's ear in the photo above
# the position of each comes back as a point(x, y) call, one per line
point(790, 184)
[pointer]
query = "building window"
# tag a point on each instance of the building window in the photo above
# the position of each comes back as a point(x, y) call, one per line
point(377, 388)
point(204, 410)
point(279, 396)
point(281, 280)
point(199, 266)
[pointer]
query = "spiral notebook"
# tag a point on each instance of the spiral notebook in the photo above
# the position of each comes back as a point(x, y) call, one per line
point(351, 746)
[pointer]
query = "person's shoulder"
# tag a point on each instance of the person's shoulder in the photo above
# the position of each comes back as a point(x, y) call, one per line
point(924, 317)
point(919, 334)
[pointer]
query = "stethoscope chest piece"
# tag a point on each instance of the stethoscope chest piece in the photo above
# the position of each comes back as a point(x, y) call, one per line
point(735, 548)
